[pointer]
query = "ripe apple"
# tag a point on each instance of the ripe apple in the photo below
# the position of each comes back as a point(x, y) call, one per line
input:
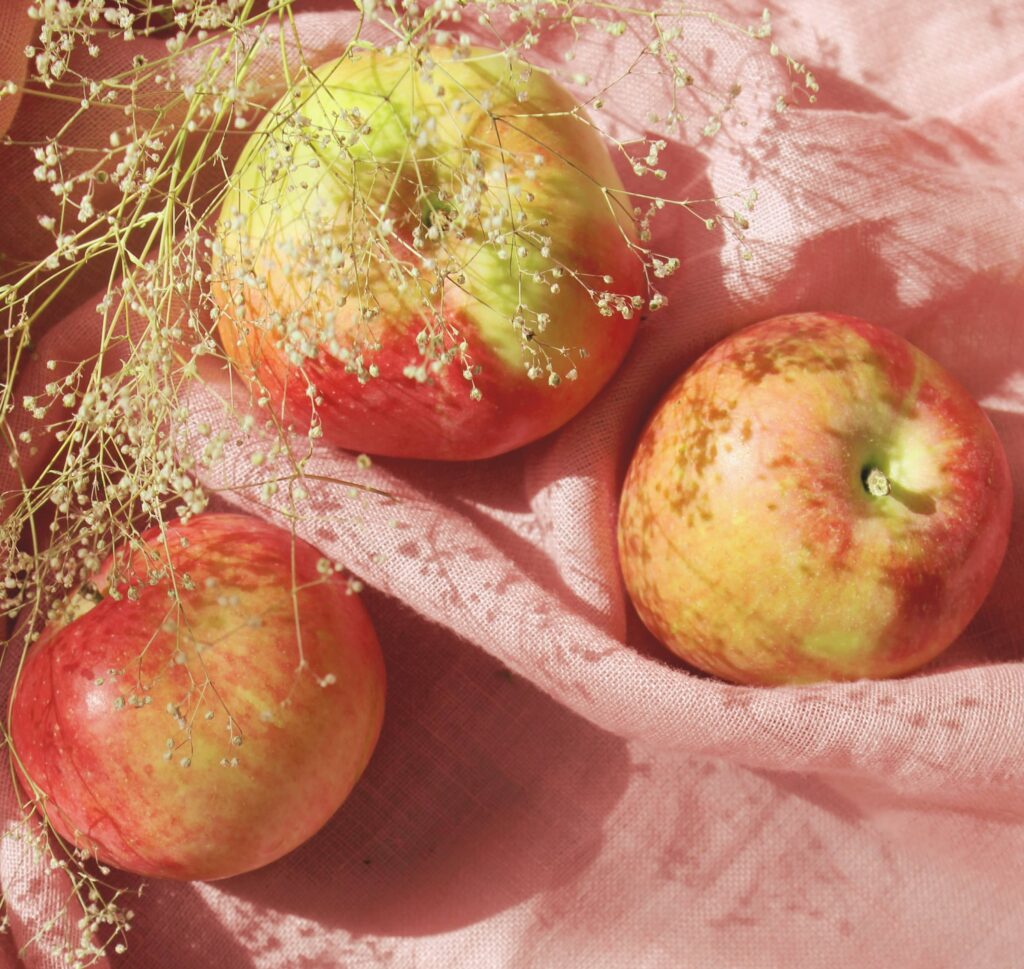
point(202, 735)
point(423, 254)
point(814, 499)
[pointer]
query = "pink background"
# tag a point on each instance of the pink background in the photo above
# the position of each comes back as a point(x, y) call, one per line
point(551, 788)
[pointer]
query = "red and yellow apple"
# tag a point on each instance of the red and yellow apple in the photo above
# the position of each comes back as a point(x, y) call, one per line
point(203, 733)
point(427, 258)
point(814, 499)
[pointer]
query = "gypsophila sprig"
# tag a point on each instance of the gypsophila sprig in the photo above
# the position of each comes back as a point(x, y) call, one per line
point(104, 444)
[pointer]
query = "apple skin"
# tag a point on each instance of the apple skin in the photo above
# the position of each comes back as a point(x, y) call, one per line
point(95, 711)
point(269, 260)
point(748, 539)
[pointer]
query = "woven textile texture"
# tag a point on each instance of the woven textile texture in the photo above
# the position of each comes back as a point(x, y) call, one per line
point(552, 790)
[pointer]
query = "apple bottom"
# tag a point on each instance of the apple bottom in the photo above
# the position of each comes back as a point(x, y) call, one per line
point(396, 415)
point(919, 615)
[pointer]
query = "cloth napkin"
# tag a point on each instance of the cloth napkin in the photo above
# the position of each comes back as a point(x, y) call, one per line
point(552, 789)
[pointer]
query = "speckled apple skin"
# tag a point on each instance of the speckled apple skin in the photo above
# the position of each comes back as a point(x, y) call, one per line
point(748, 541)
point(102, 710)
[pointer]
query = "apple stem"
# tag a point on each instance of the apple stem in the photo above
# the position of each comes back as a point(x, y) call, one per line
point(877, 483)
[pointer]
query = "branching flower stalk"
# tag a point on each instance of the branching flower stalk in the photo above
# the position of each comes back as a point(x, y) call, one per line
point(102, 447)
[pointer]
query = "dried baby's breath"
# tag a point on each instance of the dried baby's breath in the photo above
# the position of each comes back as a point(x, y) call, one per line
point(107, 445)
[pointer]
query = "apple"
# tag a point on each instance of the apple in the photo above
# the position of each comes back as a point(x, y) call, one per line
point(815, 499)
point(207, 734)
point(428, 260)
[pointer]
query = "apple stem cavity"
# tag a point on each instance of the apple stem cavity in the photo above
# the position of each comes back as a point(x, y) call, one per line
point(876, 483)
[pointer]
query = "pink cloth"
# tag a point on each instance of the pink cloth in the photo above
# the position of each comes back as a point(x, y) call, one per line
point(552, 789)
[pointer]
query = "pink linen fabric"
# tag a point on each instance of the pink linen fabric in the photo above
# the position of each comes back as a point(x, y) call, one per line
point(551, 788)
